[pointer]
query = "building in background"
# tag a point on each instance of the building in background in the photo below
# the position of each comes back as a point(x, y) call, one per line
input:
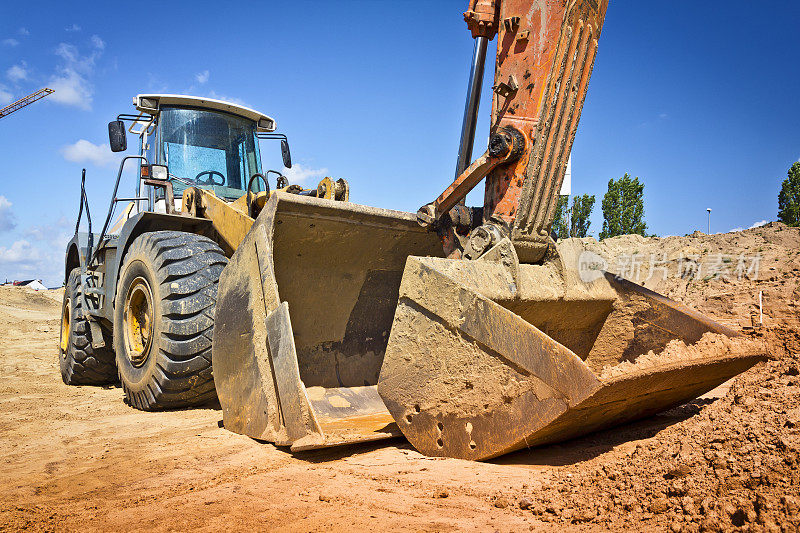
point(35, 284)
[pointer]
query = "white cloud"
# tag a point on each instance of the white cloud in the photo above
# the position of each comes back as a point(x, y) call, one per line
point(71, 82)
point(19, 252)
point(300, 174)
point(71, 89)
point(5, 96)
point(72, 28)
point(10, 42)
point(55, 234)
point(224, 98)
point(755, 225)
point(17, 73)
point(39, 254)
point(202, 77)
point(74, 60)
point(85, 151)
point(23, 31)
point(98, 42)
point(8, 220)
point(24, 260)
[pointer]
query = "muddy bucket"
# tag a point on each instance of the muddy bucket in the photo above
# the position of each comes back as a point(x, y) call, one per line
point(484, 360)
point(303, 316)
point(338, 323)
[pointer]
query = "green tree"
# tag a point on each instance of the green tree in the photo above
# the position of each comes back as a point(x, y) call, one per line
point(560, 227)
point(623, 207)
point(581, 210)
point(789, 197)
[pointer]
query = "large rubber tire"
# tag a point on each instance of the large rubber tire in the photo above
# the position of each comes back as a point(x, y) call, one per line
point(173, 367)
point(80, 363)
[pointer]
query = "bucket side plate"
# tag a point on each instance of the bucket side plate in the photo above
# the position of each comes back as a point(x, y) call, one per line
point(303, 316)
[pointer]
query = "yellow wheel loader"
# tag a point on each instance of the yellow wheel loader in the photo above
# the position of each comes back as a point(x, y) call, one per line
point(319, 322)
point(140, 295)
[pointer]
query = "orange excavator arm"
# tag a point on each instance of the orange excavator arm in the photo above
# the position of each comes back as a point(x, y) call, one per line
point(545, 54)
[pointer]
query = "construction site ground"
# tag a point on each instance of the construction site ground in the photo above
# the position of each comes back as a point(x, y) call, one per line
point(80, 458)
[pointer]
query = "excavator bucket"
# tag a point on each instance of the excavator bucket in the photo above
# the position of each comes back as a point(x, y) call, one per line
point(484, 360)
point(338, 323)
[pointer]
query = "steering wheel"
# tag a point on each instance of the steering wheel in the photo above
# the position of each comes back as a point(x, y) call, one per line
point(210, 180)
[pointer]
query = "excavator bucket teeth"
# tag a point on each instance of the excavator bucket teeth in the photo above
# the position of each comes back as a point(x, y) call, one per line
point(303, 315)
point(482, 361)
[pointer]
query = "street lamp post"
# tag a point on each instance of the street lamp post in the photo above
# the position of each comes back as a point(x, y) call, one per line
point(709, 220)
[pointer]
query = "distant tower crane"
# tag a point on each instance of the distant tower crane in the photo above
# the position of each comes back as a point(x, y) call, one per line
point(22, 102)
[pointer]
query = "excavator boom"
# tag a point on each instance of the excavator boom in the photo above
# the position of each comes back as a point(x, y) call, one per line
point(545, 55)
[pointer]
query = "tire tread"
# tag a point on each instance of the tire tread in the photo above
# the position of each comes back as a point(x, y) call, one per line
point(187, 267)
point(83, 364)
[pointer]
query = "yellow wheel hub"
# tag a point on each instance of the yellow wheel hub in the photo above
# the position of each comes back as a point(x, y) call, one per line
point(66, 325)
point(138, 321)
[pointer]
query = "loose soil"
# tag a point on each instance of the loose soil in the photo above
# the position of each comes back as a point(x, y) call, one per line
point(80, 458)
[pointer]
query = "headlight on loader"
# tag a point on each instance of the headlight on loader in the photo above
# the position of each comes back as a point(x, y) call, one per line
point(159, 172)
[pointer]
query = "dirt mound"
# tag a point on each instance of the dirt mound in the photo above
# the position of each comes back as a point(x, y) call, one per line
point(719, 275)
point(734, 464)
point(730, 464)
point(677, 350)
point(783, 340)
point(25, 311)
point(23, 298)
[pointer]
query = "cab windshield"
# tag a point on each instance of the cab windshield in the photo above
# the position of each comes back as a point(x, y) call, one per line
point(215, 150)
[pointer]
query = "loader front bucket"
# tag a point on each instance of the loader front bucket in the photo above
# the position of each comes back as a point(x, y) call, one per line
point(303, 315)
point(483, 361)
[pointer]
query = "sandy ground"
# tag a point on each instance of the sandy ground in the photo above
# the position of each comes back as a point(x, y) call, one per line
point(76, 457)
point(80, 458)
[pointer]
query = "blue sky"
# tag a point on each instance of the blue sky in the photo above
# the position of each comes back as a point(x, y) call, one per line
point(697, 99)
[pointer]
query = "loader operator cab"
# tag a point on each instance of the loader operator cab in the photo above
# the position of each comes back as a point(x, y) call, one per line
point(215, 150)
point(196, 142)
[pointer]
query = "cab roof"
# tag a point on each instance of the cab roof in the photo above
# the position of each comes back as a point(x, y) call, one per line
point(151, 104)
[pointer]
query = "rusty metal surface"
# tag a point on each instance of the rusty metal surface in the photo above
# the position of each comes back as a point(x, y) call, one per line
point(545, 55)
point(337, 267)
point(504, 146)
point(169, 195)
point(481, 18)
point(338, 323)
